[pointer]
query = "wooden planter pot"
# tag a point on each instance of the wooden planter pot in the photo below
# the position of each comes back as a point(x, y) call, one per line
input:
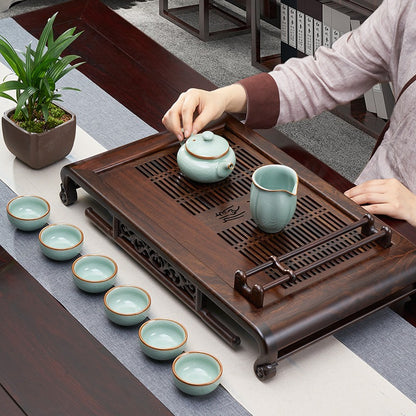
point(39, 150)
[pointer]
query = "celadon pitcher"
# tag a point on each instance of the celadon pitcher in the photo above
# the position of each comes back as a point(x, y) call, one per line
point(206, 157)
point(273, 197)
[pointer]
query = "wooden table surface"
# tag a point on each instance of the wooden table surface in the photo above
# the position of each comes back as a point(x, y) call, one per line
point(50, 364)
point(34, 355)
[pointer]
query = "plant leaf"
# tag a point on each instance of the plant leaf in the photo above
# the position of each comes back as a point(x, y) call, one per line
point(57, 48)
point(45, 111)
point(11, 86)
point(24, 96)
point(37, 70)
point(62, 67)
point(9, 97)
point(12, 58)
point(44, 38)
point(70, 88)
point(28, 71)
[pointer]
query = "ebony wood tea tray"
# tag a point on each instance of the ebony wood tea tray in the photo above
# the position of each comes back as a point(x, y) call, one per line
point(332, 265)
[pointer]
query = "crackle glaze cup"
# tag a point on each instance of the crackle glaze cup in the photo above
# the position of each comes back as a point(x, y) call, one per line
point(162, 339)
point(28, 212)
point(273, 197)
point(94, 273)
point(126, 305)
point(61, 241)
point(196, 373)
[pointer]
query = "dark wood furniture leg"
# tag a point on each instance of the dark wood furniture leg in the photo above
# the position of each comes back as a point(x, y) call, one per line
point(203, 8)
point(204, 19)
point(264, 63)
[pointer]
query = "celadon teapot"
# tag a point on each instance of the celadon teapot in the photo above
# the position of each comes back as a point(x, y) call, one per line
point(206, 157)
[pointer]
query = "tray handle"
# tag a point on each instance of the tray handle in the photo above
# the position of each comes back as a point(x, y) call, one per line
point(255, 293)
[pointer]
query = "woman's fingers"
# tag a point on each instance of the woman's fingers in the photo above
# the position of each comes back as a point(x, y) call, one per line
point(195, 108)
point(383, 209)
point(192, 102)
point(179, 119)
point(172, 120)
point(385, 197)
point(369, 198)
point(373, 186)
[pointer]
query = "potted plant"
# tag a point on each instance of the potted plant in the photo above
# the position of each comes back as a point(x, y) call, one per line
point(37, 131)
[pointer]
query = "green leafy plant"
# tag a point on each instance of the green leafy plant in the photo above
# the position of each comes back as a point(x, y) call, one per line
point(38, 71)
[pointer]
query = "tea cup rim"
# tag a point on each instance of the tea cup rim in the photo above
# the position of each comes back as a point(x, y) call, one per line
point(127, 314)
point(295, 190)
point(208, 383)
point(94, 255)
point(158, 348)
point(60, 249)
point(48, 210)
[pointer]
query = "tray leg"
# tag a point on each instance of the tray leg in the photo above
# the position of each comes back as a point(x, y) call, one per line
point(265, 366)
point(68, 193)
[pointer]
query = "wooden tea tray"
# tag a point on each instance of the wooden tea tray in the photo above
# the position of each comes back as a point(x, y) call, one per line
point(332, 264)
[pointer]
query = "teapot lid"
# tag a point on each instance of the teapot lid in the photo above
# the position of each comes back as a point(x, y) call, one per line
point(207, 145)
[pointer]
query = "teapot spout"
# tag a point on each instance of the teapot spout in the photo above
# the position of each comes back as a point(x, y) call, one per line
point(224, 169)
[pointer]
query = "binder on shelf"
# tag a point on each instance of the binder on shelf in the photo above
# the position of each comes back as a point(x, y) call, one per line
point(307, 8)
point(283, 22)
point(318, 24)
point(370, 103)
point(312, 10)
point(326, 25)
point(340, 21)
point(300, 32)
point(309, 35)
point(317, 34)
point(384, 100)
point(355, 19)
point(336, 21)
point(355, 23)
point(292, 31)
point(289, 21)
point(308, 24)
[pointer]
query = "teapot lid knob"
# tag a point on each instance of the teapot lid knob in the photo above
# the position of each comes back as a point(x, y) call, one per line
point(207, 136)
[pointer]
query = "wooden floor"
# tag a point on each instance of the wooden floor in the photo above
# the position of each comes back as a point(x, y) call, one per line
point(147, 79)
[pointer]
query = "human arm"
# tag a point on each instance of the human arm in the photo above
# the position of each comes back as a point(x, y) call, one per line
point(335, 76)
point(302, 88)
point(385, 197)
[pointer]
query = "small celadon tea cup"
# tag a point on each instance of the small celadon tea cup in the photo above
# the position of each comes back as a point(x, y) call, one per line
point(162, 339)
point(61, 241)
point(196, 373)
point(28, 212)
point(127, 305)
point(273, 197)
point(94, 273)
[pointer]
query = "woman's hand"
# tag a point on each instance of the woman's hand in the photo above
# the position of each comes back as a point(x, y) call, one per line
point(205, 105)
point(386, 197)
